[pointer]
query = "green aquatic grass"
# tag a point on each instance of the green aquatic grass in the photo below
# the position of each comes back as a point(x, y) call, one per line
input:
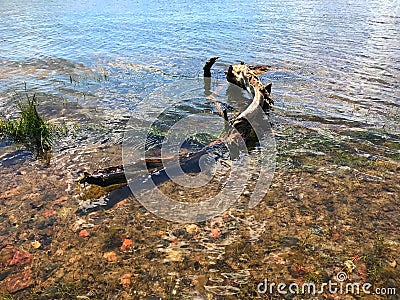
point(30, 129)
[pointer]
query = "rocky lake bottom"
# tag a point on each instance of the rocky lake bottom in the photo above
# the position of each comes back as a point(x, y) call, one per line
point(332, 207)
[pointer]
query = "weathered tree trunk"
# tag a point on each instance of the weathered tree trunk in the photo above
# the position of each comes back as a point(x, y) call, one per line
point(251, 118)
point(241, 128)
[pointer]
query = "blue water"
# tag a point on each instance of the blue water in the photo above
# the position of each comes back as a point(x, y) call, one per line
point(338, 61)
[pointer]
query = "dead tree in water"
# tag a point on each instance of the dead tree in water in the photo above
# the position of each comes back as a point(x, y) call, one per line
point(241, 128)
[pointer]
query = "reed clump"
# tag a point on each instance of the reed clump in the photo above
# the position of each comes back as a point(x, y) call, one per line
point(30, 129)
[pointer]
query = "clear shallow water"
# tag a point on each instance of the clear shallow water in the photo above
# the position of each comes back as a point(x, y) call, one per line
point(331, 62)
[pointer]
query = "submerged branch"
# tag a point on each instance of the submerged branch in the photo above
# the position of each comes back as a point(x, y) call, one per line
point(241, 128)
point(208, 65)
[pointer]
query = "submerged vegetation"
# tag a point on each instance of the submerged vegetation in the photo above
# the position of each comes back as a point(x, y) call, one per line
point(30, 129)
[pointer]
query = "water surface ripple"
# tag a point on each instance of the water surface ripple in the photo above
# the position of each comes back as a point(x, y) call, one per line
point(336, 62)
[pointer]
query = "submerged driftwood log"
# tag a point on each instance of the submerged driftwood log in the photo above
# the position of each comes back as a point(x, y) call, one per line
point(241, 128)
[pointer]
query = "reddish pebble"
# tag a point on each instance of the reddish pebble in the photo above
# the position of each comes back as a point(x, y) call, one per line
point(84, 233)
point(126, 280)
point(59, 200)
point(121, 203)
point(17, 282)
point(10, 193)
point(14, 256)
point(49, 213)
point(336, 235)
point(215, 233)
point(126, 244)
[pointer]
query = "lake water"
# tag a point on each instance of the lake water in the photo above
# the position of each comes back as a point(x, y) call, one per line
point(333, 205)
point(333, 63)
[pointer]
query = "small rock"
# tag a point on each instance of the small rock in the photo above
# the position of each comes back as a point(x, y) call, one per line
point(48, 197)
point(317, 230)
point(126, 244)
point(336, 235)
point(11, 256)
point(349, 265)
point(10, 193)
point(84, 233)
point(17, 282)
point(215, 233)
point(200, 281)
point(393, 264)
point(276, 258)
point(192, 228)
point(120, 204)
point(46, 223)
point(289, 241)
point(36, 244)
point(30, 196)
point(4, 275)
point(126, 280)
point(74, 259)
point(173, 255)
point(297, 270)
point(110, 256)
point(49, 213)
point(59, 200)
point(78, 224)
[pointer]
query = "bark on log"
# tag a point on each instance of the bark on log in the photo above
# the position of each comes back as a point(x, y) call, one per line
point(247, 78)
point(105, 177)
point(241, 75)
